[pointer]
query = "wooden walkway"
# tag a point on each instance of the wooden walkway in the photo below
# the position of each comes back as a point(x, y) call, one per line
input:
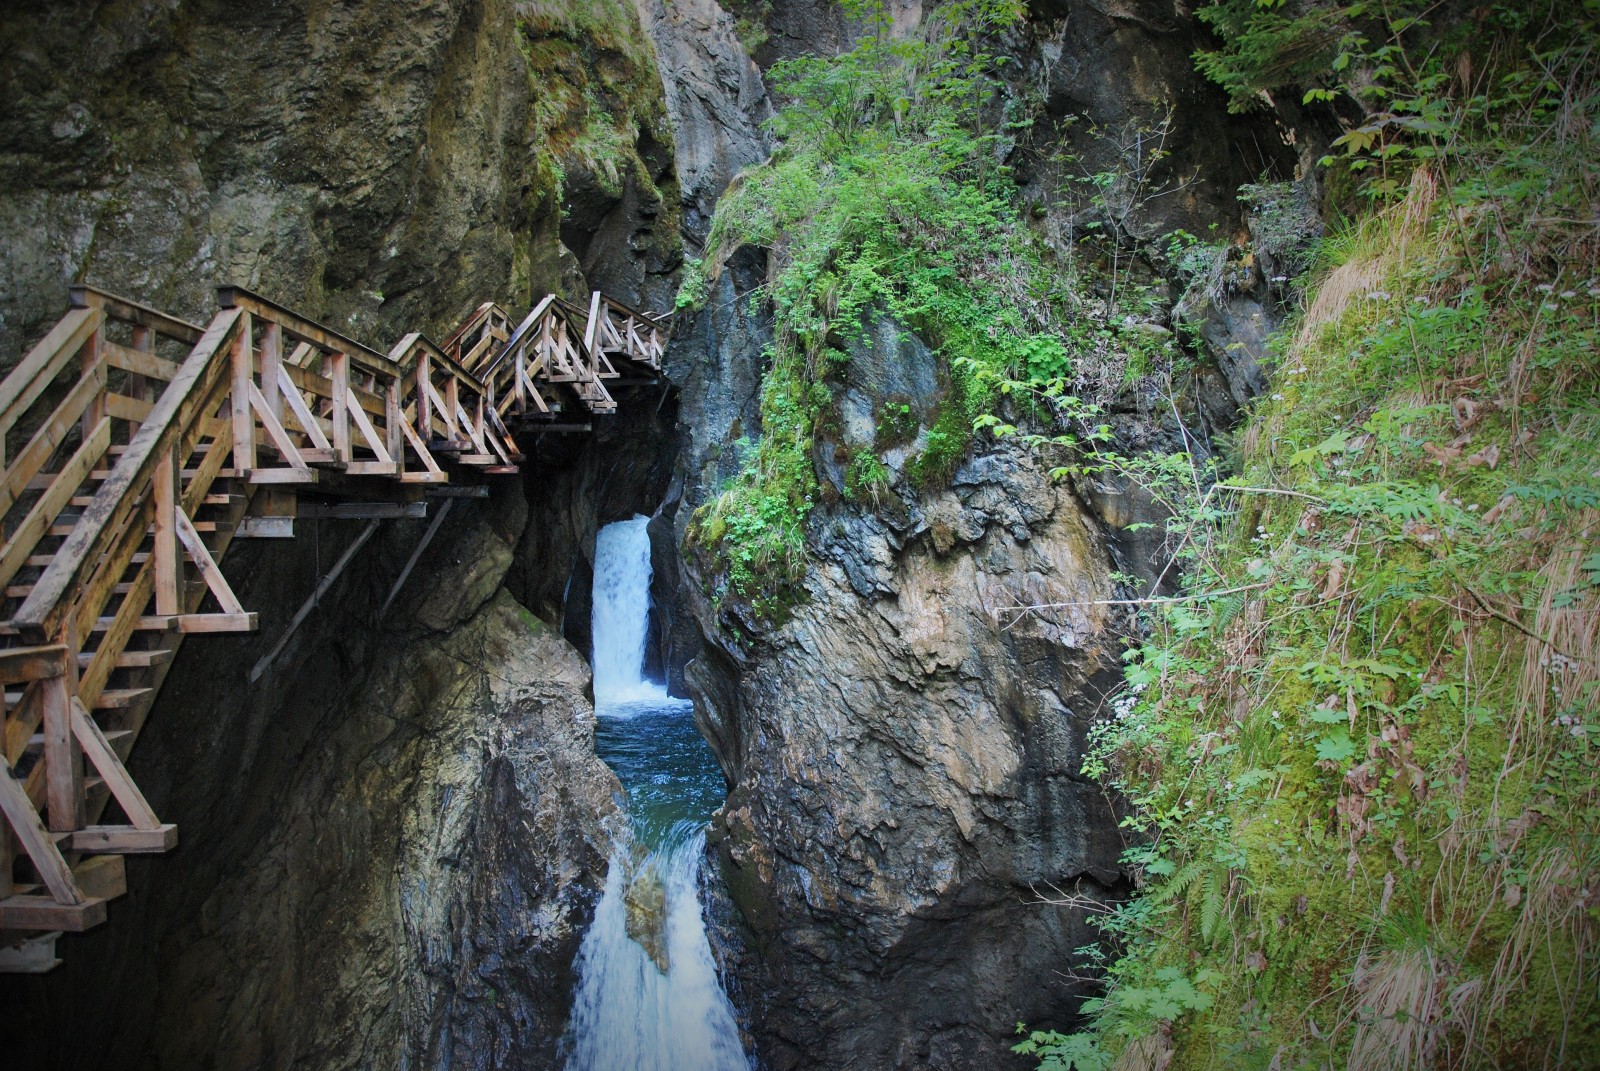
point(137, 446)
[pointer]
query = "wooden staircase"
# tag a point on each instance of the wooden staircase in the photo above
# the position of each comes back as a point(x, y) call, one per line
point(144, 446)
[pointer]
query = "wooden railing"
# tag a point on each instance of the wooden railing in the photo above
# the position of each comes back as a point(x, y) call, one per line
point(145, 440)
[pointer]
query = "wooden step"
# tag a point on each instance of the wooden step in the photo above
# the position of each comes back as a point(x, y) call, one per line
point(115, 737)
point(124, 840)
point(109, 699)
point(122, 698)
point(158, 656)
point(477, 459)
point(43, 913)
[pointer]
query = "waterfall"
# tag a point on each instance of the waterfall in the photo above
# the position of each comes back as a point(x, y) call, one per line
point(620, 622)
point(648, 996)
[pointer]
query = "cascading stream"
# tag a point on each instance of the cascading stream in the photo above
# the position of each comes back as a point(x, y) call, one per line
point(648, 996)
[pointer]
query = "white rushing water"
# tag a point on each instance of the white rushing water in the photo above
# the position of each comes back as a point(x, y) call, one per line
point(648, 996)
point(629, 1015)
point(620, 621)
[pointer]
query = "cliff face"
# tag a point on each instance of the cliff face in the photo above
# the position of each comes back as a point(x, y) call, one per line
point(908, 841)
point(392, 841)
point(380, 166)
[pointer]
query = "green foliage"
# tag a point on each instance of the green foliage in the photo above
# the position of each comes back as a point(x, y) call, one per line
point(884, 200)
point(1362, 748)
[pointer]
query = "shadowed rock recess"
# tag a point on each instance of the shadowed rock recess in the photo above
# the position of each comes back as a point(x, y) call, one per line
point(392, 843)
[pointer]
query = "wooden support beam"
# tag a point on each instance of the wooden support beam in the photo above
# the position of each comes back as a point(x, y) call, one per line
point(363, 511)
point(36, 842)
point(124, 840)
point(168, 563)
point(411, 562)
point(43, 913)
point(117, 779)
point(246, 622)
point(20, 664)
point(244, 423)
point(63, 759)
point(311, 603)
point(339, 373)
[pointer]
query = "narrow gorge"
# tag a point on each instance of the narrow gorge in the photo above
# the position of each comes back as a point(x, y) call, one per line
point(791, 535)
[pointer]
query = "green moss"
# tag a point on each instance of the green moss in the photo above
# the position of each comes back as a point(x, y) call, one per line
point(1366, 772)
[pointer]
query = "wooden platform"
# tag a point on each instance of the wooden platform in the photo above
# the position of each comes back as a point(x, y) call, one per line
point(137, 446)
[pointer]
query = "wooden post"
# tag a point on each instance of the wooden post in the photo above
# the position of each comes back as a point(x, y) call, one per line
point(244, 418)
point(168, 565)
point(90, 357)
point(6, 857)
point(144, 340)
point(271, 361)
point(394, 415)
point(339, 372)
point(63, 758)
point(424, 403)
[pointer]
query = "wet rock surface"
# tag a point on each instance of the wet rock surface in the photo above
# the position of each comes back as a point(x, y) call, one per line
point(905, 754)
point(392, 842)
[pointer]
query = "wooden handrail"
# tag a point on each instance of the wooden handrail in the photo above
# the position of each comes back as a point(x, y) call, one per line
point(44, 611)
point(298, 327)
point(84, 296)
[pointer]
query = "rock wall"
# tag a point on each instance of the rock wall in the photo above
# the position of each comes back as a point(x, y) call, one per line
point(381, 166)
point(904, 752)
point(392, 842)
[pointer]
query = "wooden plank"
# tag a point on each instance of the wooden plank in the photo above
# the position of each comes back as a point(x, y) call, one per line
point(63, 758)
point(339, 375)
point(122, 407)
point(44, 362)
point(201, 555)
point(374, 441)
point(122, 698)
point(38, 522)
point(124, 840)
point(36, 842)
point(434, 472)
point(178, 409)
point(244, 424)
point(23, 720)
point(247, 622)
point(98, 750)
point(43, 913)
point(138, 362)
point(275, 431)
point(282, 476)
point(33, 457)
point(19, 664)
point(271, 369)
point(168, 564)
